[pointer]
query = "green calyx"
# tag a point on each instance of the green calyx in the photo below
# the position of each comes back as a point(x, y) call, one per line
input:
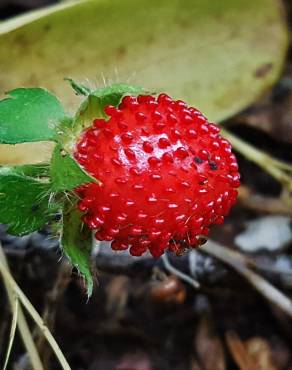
point(31, 195)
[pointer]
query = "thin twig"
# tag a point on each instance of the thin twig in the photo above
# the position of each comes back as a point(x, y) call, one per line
point(281, 171)
point(257, 202)
point(168, 266)
point(21, 321)
point(236, 261)
point(35, 316)
point(12, 331)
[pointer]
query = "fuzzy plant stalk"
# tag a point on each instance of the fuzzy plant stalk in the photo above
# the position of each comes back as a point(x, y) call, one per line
point(145, 172)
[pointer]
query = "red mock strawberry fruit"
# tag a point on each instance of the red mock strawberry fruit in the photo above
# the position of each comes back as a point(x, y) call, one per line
point(166, 175)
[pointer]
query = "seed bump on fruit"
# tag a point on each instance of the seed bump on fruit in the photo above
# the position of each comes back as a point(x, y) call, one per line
point(198, 160)
point(213, 166)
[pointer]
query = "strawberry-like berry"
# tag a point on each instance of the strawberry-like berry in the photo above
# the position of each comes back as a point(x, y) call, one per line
point(166, 174)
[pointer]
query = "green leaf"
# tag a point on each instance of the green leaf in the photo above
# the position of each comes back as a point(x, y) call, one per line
point(77, 243)
point(93, 106)
point(217, 55)
point(24, 203)
point(29, 115)
point(66, 173)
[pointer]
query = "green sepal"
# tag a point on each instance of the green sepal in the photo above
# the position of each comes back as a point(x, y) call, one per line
point(76, 242)
point(80, 89)
point(65, 172)
point(24, 203)
point(93, 106)
point(28, 115)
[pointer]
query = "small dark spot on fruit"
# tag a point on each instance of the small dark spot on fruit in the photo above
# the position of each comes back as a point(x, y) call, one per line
point(198, 160)
point(263, 70)
point(213, 166)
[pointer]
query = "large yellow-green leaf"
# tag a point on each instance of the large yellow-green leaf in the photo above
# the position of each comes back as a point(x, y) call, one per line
point(217, 55)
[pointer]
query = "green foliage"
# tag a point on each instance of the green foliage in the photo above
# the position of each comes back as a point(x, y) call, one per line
point(77, 243)
point(24, 203)
point(66, 173)
point(29, 115)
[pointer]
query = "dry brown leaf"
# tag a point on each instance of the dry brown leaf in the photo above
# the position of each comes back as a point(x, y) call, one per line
point(209, 346)
point(260, 351)
point(252, 354)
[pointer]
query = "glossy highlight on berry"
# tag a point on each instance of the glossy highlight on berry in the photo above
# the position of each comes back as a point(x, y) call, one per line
point(166, 175)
